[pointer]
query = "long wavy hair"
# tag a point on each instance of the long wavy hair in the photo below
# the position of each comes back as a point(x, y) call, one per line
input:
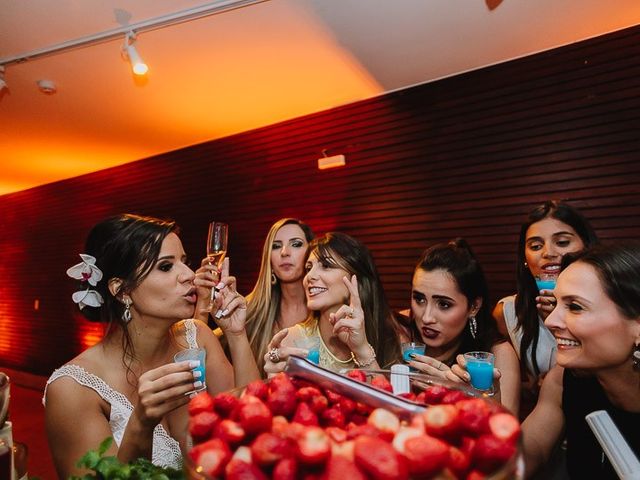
point(457, 259)
point(525, 304)
point(263, 303)
point(343, 251)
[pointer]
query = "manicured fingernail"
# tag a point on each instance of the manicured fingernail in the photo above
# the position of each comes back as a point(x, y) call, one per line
point(194, 363)
point(197, 374)
point(197, 384)
point(412, 355)
point(191, 394)
point(225, 312)
point(467, 377)
point(220, 286)
point(219, 314)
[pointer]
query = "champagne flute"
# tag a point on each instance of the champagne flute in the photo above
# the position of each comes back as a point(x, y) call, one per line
point(216, 249)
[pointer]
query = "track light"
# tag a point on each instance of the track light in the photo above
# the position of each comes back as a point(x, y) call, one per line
point(3, 82)
point(129, 50)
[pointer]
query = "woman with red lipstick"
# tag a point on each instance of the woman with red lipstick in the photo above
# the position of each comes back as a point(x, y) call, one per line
point(134, 277)
point(596, 325)
point(552, 230)
point(450, 314)
point(350, 316)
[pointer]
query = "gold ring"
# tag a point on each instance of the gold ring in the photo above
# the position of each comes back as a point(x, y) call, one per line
point(274, 355)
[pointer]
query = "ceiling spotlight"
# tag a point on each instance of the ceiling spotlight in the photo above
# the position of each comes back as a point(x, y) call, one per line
point(3, 82)
point(130, 53)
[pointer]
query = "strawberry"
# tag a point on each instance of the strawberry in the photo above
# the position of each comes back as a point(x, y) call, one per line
point(257, 388)
point(473, 414)
point(212, 456)
point(467, 444)
point(476, 475)
point(363, 409)
point(267, 449)
point(408, 396)
point(366, 429)
point(385, 421)
point(378, 459)
point(504, 426)
point(403, 435)
point(333, 417)
point(313, 446)
point(319, 404)
point(201, 425)
point(459, 462)
point(381, 382)
point(339, 467)
point(454, 396)
point(336, 434)
point(357, 375)
point(425, 455)
point(224, 403)
point(344, 449)
point(304, 415)
point(239, 470)
point(307, 393)
point(432, 395)
point(490, 453)
point(417, 421)
point(358, 419)
point(285, 469)
point(229, 431)
point(332, 396)
point(441, 421)
point(202, 402)
point(346, 406)
point(283, 429)
point(282, 399)
point(253, 415)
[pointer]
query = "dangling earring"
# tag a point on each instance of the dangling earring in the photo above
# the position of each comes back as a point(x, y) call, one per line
point(274, 279)
point(636, 357)
point(126, 315)
point(473, 326)
point(526, 264)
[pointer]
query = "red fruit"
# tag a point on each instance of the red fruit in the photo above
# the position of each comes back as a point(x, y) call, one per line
point(341, 468)
point(404, 434)
point(459, 462)
point(504, 426)
point(212, 455)
point(202, 425)
point(307, 393)
point(432, 395)
point(281, 427)
point(417, 421)
point(441, 421)
point(467, 445)
point(268, 449)
point(358, 375)
point(358, 419)
point(229, 431)
point(363, 409)
point(336, 434)
point(224, 403)
point(346, 406)
point(253, 415)
point(332, 396)
point(319, 404)
point(490, 453)
point(366, 429)
point(344, 449)
point(282, 401)
point(333, 417)
point(425, 455)
point(408, 396)
point(281, 380)
point(285, 469)
point(258, 389)
point(476, 475)
point(240, 470)
point(385, 421)
point(378, 458)
point(381, 382)
point(202, 402)
point(454, 396)
point(304, 415)
point(313, 446)
point(473, 414)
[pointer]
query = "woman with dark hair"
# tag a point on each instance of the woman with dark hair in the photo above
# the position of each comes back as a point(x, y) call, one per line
point(450, 315)
point(552, 230)
point(134, 277)
point(350, 316)
point(596, 325)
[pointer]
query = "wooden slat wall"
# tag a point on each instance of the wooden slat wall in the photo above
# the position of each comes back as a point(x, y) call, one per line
point(465, 156)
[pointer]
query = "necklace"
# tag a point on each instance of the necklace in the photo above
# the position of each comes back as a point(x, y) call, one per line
point(329, 351)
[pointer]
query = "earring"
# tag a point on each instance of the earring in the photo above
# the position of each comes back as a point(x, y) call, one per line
point(526, 264)
point(126, 315)
point(636, 358)
point(274, 279)
point(473, 326)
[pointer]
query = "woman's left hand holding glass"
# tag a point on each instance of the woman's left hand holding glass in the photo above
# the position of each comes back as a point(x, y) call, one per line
point(230, 308)
point(459, 371)
point(207, 277)
point(434, 367)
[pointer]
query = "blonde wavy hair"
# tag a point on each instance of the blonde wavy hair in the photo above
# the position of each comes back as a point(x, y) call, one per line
point(263, 303)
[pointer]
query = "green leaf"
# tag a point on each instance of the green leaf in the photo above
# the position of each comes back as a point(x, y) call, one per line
point(104, 446)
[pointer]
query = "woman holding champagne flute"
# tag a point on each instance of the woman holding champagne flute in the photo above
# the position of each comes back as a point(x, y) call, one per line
point(134, 276)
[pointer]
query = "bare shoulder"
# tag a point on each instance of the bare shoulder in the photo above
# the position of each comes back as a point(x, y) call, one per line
point(504, 350)
point(498, 315)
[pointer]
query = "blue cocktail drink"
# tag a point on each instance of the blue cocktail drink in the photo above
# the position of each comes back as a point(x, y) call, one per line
point(410, 348)
point(192, 354)
point(480, 368)
point(546, 284)
point(314, 356)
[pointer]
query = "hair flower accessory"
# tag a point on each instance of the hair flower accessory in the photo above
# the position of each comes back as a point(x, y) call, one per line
point(86, 270)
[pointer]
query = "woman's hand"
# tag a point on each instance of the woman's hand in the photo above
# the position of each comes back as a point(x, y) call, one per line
point(433, 367)
point(207, 277)
point(348, 321)
point(460, 371)
point(545, 303)
point(162, 390)
point(230, 307)
point(276, 357)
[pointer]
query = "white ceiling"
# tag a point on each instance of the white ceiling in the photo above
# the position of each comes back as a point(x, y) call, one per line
point(243, 69)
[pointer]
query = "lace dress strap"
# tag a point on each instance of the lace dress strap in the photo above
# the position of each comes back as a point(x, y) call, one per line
point(166, 450)
point(191, 332)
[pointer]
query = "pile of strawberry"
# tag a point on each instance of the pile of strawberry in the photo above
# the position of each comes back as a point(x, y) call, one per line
point(287, 429)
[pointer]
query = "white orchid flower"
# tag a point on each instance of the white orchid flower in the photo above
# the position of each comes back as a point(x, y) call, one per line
point(86, 271)
point(86, 298)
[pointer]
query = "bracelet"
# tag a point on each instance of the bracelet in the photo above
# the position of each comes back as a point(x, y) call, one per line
point(366, 363)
